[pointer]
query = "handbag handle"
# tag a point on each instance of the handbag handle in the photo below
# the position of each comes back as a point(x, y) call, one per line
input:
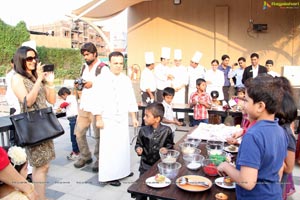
point(25, 109)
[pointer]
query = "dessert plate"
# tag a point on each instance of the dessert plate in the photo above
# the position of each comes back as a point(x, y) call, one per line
point(155, 184)
point(220, 182)
point(194, 188)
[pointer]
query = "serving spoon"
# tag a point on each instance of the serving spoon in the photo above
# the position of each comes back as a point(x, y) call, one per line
point(185, 180)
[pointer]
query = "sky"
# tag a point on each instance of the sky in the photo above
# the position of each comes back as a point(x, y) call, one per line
point(39, 12)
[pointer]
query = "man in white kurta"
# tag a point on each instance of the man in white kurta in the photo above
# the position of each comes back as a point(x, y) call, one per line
point(114, 100)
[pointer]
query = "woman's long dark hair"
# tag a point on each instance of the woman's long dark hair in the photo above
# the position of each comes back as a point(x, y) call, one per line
point(20, 62)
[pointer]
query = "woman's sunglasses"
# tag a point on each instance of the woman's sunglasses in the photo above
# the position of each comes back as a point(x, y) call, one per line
point(30, 59)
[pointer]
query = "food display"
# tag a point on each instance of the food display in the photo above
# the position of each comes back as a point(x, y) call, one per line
point(160, 178)
point(170, 156)
point(193, 140)
point(193, 161)
point(169, 170)
point(218, 132)
point(232, 148)
point(221, 196)
point(228, 181)
point(210, 169)
point(169, 160)
point(193, 166)
point(188, 148)
point(218, 158)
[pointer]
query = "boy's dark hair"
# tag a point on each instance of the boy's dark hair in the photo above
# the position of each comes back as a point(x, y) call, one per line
point(242, 58)
point(269, 62)
point(287, 109)
point(168, 91)
point(115, 54)
point(214, 94)
point(157, 109)
point(263, 88)
point(224, 57)
point(254, 55)
point(63, 91)
point(89, 47)
point(199, 81)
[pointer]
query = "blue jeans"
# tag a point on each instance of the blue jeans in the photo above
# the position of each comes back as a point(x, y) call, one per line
point(196, 122)
point(72, 123)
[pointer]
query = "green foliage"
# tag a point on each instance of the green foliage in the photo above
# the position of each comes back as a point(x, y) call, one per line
point(10, 39)
point(67, 61)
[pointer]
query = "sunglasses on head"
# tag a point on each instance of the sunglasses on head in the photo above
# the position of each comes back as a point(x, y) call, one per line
point(30, 58)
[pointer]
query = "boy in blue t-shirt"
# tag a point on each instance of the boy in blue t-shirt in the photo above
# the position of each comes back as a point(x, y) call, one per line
point(263, 148)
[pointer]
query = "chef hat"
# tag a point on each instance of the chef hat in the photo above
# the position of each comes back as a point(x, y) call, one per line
point(165, 52)
point(177, 54)
point(149, 58)
point(31, 44)
point(197, 56)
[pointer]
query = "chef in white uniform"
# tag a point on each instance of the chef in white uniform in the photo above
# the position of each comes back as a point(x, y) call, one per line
point(180, 74)
point(195, 71)
point(114, 100)
point(162, 73)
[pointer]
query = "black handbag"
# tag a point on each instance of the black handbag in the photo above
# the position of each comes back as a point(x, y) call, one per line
point(35, 127)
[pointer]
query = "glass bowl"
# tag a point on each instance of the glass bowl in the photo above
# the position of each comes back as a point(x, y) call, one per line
point(187, 148)
point(169, 157)
point(214, 147)
point(193, 161)
point(217, 155)
point(193, 140)
point(169, 170)
point(210, 167)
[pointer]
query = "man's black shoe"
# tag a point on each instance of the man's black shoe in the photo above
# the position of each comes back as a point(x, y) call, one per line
point(115, 183)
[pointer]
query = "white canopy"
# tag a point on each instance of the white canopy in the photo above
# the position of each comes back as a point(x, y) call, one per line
point(103, 9)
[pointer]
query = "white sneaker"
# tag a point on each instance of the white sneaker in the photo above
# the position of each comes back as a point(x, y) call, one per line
point(73, 156)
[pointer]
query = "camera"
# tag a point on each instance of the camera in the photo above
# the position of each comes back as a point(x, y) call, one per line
point(48, 68)
point(79, 83)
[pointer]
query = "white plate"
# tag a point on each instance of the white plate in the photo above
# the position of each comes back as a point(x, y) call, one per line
point(230, 151)
point(194, 188)
point(220, 182)
point(153, 183)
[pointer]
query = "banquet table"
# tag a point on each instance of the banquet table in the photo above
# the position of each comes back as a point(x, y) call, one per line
point(172, 192)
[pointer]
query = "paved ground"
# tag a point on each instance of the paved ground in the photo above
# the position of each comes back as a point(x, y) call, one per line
point(65, 182)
